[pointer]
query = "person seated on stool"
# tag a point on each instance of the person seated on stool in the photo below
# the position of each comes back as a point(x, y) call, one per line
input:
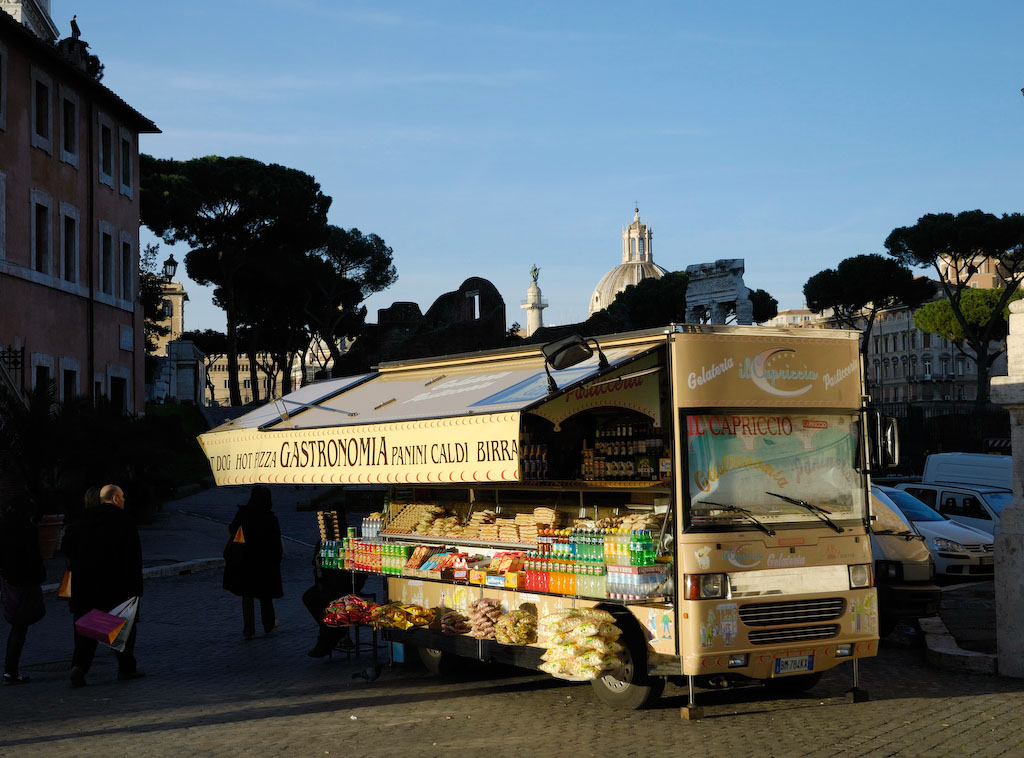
point(329, 584)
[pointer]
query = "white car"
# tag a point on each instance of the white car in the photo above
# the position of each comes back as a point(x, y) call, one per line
point(958, 550)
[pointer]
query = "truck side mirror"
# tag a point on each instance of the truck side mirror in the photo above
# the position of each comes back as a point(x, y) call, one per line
point(883, 442)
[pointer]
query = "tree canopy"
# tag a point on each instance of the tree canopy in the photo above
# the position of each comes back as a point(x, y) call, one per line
point(976, 307)
point(341, 273)
point(236, 214)
point(765, 306)
point(956, 247)
point(151, 297)
point(860, 287)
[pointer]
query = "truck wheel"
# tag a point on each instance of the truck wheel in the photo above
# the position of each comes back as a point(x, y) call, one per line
point(629, 688)
point(792, 685)
point(437, 662)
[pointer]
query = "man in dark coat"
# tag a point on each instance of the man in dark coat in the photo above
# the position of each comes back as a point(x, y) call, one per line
point(329, 584)
point(252, 560)
point(105, 559)
point(22, 574)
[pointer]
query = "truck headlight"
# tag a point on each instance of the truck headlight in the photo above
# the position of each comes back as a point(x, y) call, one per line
point(860, 575)
point(704, 586)
point(888, 571)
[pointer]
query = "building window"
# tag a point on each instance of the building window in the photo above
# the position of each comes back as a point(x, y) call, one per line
point(913, 340)
point(641, 246)
point(106, 151)
point(926, 339)
point(42, 369)
point(126, 162)
point(119, 394)
point(169, 310)
point(41, 116)
point(3, 216)
point(68, 127)
point(68, 243)
point(474, 304)
point(41, 231)
point(959, 366)
point(3, 87)
point(926, 366)
point(126, 270)
point(106, 260)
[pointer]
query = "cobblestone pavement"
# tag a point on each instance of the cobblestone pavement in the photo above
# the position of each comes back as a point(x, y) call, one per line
point(210, 693)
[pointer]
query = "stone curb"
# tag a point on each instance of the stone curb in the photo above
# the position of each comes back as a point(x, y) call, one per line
point(171, 569)
point(944, 653)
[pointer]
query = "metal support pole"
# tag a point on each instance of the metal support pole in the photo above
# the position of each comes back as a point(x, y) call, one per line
point(691, 711)
point(855, 694)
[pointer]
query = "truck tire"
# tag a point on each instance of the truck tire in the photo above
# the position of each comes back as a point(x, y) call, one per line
point(630, 688)
point(437, 662)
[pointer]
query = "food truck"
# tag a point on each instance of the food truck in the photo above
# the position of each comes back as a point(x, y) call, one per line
point(687, 503)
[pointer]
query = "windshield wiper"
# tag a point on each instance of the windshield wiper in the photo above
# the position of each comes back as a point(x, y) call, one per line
point(736, 509)
point(817, 510)
point(905, 534)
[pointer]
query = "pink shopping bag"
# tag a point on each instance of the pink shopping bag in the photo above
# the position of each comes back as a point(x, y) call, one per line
point(113, 628)
point(99, 625)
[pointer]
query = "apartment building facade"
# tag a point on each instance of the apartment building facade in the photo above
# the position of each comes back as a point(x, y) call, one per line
point(69, 222)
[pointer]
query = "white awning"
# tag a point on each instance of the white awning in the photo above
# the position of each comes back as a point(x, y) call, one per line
point(437, 421)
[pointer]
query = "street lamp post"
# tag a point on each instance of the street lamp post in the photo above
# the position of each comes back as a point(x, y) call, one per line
point(170, 267)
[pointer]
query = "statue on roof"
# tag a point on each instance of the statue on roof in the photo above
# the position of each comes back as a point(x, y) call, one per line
point(535, 272)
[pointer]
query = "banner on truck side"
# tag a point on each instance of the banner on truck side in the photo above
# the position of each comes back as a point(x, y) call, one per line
point(712, 370)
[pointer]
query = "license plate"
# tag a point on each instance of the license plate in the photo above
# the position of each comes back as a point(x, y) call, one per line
point(986, 560)
point(794, 663)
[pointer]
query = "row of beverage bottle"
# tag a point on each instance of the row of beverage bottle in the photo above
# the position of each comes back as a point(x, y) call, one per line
point(357, 554)
point(589, 577)
point(371, 528)
point(632, 585)
point(644, 468)
point(564, 575)
point(615, 547)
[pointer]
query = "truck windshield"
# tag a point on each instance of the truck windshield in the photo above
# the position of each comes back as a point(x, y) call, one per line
point(780, 468)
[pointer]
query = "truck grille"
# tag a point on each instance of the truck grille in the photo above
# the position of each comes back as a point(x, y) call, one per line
point(773, 636)
point(798, 612)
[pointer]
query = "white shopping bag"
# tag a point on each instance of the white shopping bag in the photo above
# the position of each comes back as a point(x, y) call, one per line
point(127, 611)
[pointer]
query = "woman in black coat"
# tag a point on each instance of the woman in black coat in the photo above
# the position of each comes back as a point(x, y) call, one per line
point(252, 560)
point(22, 574)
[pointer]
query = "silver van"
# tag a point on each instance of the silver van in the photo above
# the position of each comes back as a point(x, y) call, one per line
point(969, 469)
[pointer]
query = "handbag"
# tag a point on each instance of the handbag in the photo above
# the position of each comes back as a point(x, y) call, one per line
point(65, 585)
point(111, 628)
point(22, 605)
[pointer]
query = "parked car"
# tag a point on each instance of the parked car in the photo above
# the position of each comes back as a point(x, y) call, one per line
point(904, 567)
point(958, 550)
point(977, 507)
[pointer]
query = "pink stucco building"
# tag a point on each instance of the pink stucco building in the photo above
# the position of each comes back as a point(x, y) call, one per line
point(69, 222)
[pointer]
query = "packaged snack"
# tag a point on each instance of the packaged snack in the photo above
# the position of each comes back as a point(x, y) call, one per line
point(516, 628)
point(483, 614)
point(580, 644)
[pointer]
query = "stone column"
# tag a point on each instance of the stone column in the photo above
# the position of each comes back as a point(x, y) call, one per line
point(1008, 391)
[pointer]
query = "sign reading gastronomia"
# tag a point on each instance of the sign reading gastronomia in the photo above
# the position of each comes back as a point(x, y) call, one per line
point(483, 448)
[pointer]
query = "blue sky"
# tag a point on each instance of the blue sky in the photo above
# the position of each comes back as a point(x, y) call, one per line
point(479, 138)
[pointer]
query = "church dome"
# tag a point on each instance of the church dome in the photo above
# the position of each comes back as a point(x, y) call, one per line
point(637, 265)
